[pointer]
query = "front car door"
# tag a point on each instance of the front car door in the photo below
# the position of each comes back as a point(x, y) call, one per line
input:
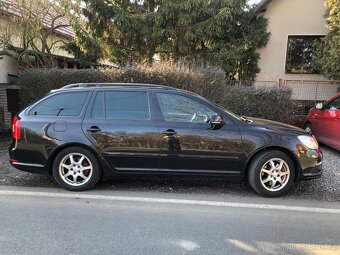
point(328, 123)
point(187, 141)
point(121, 125)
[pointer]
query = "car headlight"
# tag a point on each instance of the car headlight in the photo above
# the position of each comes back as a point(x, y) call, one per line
point(309, 141)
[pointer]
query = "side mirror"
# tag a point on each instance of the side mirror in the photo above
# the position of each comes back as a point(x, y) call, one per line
point(319, 106)
point(216, 121)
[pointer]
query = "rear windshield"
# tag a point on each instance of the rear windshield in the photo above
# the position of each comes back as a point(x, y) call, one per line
point(64, 104)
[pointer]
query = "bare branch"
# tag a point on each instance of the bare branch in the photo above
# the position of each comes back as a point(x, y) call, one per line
point(31, 30)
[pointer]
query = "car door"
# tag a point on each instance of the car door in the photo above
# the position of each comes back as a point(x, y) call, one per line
point(121, 125)
point(328, 123)
point(188, 143)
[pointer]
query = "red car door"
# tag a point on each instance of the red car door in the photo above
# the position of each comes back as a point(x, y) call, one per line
point(328, 123)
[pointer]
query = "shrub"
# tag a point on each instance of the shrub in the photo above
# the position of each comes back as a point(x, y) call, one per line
point(270, 103)
point(34, 83)
point(206, 81)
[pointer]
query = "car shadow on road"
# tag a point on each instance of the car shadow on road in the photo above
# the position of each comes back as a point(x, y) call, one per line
point(175, 185)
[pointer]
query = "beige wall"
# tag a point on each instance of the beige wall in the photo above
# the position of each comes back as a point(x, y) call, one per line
point(9, 65)
point(14, 29)
point(289, 17)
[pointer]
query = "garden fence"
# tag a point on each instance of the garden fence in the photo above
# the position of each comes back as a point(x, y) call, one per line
point(305, 94)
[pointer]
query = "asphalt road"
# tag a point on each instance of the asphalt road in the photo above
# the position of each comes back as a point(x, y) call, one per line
point(53, 221)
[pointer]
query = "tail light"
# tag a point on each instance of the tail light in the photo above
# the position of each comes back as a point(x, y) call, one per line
point(16, 129)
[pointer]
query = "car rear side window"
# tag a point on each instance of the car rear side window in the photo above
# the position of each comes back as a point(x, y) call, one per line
point(122, 105)
point(65, 104)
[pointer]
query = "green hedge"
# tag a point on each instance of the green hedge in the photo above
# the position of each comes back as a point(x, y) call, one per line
point(270, 103)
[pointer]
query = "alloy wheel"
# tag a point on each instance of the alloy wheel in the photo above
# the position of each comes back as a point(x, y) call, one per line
point(274, 174)
point(75, 169)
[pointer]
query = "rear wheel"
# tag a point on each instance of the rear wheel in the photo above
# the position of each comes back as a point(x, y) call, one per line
point(76, 169)
point(271, 173)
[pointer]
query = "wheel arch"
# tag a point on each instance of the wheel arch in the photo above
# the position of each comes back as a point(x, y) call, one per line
point(290, 154)
point(67, 145)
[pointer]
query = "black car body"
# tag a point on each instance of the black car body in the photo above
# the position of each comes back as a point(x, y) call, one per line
point(153, 129)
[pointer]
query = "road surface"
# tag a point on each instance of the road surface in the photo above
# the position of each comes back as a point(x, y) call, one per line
point(54, 221)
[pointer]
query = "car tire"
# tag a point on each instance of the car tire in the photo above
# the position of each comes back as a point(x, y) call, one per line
point(76, 169)
point(308, 127)
point(271, 173)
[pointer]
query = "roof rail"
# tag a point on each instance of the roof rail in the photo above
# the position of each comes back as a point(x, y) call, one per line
point(84, 85)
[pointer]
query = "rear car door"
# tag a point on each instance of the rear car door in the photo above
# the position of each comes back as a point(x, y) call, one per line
point(121, 125)
point(187, 141)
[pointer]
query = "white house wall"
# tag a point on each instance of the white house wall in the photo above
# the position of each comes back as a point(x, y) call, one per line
point(8, 65)
point(289, 17)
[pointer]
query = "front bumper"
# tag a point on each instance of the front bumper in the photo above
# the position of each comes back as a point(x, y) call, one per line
point(312, 173)
point(311, 164)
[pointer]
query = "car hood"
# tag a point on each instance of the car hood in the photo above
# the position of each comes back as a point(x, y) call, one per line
point(276, 126)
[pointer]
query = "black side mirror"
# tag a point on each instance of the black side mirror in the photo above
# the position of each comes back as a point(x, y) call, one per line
point(216, 121)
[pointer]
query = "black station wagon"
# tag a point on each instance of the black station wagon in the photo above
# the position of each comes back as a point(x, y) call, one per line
point(83, 132)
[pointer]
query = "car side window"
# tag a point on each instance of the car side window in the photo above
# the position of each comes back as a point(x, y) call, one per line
point(178, 108)
point(98, 106)
point(334, 105)
point(64, 104)
point(122, 105)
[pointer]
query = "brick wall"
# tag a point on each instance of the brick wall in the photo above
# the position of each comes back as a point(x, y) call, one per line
point(3, 105)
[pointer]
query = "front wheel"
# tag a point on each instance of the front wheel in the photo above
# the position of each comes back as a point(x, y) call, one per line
point(271, 173)
point(76, 169)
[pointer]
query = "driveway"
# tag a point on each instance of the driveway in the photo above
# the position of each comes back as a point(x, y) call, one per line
point(326, 188)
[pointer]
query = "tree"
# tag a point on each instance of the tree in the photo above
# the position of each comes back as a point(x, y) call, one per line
point(118, 30)
point(328, 51)
point(222, 33)
point(29, 37)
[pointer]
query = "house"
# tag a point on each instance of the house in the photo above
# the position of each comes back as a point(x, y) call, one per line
point(9, 66)
point(288, 58)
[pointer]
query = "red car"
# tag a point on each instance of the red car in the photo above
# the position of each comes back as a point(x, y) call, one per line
point(324, 122)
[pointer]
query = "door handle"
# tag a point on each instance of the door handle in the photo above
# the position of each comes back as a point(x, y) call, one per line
point(93, 129)
point(169, 132)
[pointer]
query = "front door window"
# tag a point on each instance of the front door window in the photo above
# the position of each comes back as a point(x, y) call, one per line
point(178, 108)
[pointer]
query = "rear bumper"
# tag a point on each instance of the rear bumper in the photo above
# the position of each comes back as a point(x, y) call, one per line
point(31, 168)
point(20, 159)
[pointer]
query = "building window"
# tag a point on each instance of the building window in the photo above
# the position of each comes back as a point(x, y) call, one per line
point(300, 57)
